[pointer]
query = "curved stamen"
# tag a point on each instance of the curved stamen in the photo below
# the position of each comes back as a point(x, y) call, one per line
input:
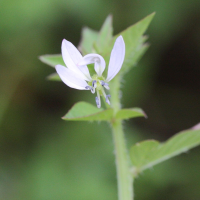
point(106, 85)
point(88, 87)
point(94, 83)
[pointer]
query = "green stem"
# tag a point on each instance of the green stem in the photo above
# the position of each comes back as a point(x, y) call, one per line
point(124, 176)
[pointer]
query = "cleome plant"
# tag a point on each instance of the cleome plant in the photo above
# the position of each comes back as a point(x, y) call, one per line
point(120, 53)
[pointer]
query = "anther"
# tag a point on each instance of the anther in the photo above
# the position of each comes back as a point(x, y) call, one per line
point(97, 102)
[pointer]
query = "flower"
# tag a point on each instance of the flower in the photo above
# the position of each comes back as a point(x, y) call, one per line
point(76, 74)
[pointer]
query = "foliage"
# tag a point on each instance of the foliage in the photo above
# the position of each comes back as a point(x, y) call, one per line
point(148, 153)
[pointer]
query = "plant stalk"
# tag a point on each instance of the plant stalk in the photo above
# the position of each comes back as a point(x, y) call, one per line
point(124, 176)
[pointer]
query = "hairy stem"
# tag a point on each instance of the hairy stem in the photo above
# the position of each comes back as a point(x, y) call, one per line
point(124, 177)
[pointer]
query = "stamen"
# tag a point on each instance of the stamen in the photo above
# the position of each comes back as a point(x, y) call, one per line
point(94, 83)
point(93, 90)
point(98, 100)
point(106, 96)
point(88, 87)
point(106, 85)
point(107, 100)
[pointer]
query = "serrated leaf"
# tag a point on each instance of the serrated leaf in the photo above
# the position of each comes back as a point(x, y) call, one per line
point(89, 36)
point(105, 36)
point(148, 153)
point(134, 41)
point(139, 52)
point(130, 113)
point(83, 111)
point(52, 60)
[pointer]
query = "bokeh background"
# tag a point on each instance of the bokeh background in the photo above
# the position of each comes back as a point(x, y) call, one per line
point(45, 158)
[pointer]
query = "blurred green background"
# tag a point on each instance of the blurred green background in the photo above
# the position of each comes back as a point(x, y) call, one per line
point(45, 158)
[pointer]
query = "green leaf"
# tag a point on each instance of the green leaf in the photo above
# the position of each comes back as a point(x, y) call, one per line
point(54, 77)
point(139, 52)
point(130, 113)
point(148, 153)
point(89, 36)
point(134, 41)
point(52, 60)
point(104, 39)
point(83, 111)
point(97, 42)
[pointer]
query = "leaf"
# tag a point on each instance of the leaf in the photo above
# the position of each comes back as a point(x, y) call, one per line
point(89, 36)
point(130, 113)
point(148, 153)
point(139, 52)
point(105, 36)
point(134, 41)
point(52, 60)
point(54, 77)
point(83, 111)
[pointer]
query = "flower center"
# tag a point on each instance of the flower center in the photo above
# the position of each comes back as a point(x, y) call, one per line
point(98, 83)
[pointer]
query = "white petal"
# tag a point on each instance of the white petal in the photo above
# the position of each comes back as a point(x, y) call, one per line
point(71, 57)
point(99, 62)
point(67, 57)
point(116, 58)
point(71, 78)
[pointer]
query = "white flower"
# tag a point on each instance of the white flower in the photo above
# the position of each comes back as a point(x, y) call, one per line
point(76, 74)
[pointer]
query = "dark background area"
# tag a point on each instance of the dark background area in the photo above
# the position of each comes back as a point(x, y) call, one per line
point(43, 157)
